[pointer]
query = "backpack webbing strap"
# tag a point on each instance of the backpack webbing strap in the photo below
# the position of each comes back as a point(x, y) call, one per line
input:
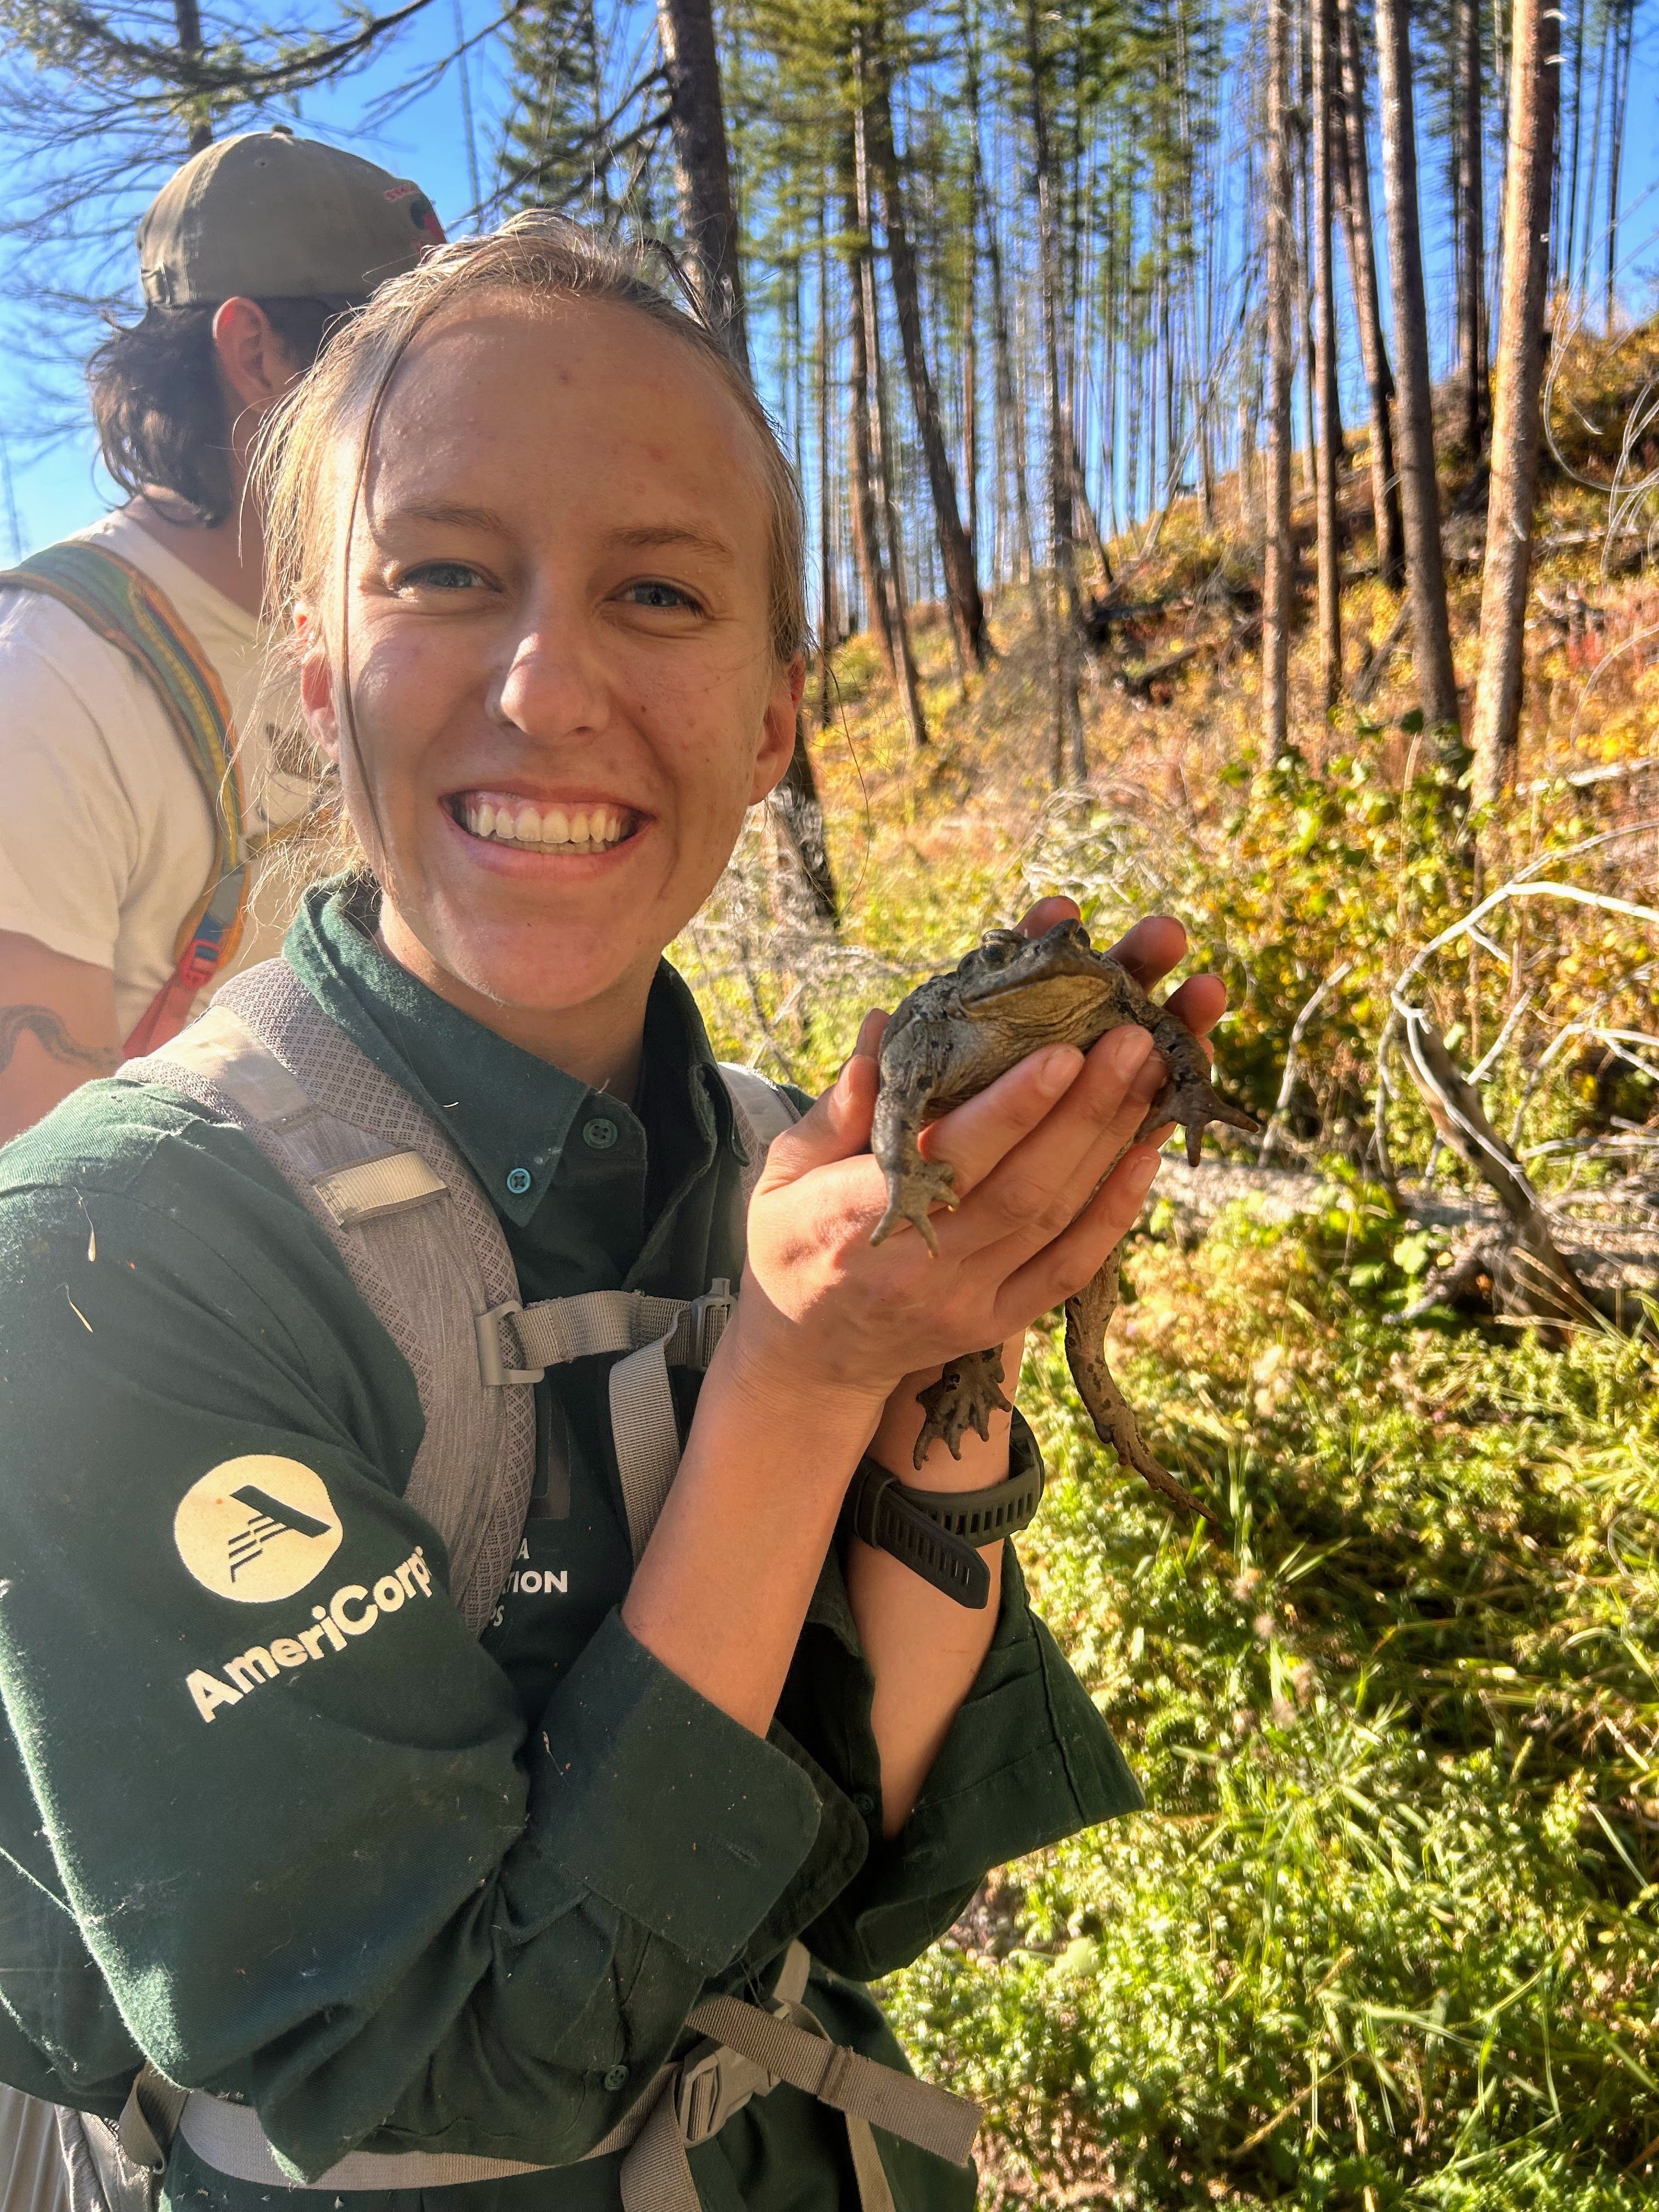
point(747, 2050)
point(751, 2050)
point(519, 1344)
point(120, 604)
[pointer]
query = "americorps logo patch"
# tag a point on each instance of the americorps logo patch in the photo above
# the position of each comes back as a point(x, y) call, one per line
point(256, 1528)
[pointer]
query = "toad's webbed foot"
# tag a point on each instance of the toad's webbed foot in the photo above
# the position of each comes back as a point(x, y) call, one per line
point(965, 1396)
point(914, 1185)
point(1189, 1097)
point(912, 1191)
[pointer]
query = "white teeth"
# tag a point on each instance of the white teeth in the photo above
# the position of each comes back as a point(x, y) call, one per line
point(583, 830)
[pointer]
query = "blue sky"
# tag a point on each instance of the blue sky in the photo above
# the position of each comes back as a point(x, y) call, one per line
point(58, 489)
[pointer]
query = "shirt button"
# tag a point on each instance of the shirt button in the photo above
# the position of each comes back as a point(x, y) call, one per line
point(518, 1180)
point(601, 1134)
point(616, 2078)
point(863, 1802)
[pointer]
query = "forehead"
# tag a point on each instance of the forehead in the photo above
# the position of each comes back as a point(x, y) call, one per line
point(551, 412)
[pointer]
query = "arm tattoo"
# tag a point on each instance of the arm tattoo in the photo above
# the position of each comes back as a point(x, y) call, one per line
point(49, 1033)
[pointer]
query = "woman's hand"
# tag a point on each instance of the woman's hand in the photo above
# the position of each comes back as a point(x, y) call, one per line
point(827, 1326)
point(822, 1307)
point(1149, 951)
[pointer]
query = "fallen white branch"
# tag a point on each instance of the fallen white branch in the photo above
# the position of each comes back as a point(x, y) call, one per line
point(1276, 1120)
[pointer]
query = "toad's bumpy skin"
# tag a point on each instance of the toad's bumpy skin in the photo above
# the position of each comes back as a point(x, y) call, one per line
point(954, 1035)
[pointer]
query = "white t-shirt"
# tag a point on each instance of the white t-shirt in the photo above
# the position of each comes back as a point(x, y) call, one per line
point(105, 834)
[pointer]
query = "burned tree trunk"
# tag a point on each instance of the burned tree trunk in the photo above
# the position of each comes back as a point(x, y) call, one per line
point(1278, 582)
point(956, 554)
point(1426, 573)
point(861, 459)
point(909, 685)
point(702, 171)
point(1521, 332)
point(1327, 427)
point(1471, 231)
point(1354, 182)
point(1070, 761)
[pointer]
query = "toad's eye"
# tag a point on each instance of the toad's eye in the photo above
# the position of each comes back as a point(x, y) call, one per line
point(652, 592)
point(441, 576)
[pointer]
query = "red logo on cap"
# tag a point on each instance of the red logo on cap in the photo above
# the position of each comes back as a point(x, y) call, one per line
point(423, 214)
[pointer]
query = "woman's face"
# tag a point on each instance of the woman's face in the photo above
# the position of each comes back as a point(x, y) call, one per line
point(557, 610)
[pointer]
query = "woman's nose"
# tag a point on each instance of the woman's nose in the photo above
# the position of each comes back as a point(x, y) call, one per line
point(552, 685)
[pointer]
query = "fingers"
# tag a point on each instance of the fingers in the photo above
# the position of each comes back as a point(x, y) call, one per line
point(1151, 949)
point(1199, 1004)
point(1076, 1256)
point(1034, 1189)
point(872, 1029)
point(1047, 914)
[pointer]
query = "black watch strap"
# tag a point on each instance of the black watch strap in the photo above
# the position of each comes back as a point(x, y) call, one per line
point(938, 1534)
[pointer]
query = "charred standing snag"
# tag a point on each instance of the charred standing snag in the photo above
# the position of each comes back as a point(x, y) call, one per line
point(957, 1033)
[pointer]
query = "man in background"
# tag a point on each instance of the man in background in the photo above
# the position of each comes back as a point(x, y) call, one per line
point(143, 782)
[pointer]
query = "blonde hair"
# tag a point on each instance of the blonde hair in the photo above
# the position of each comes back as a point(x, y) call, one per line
point(536, 255)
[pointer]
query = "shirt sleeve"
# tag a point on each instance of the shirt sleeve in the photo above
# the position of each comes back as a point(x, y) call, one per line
point(1028, 1761)
point(320, 1862)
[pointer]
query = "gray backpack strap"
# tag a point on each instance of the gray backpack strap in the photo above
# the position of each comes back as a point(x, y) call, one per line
point(657, 1334)
point(34, 2174)
point(745, 2051)
point(761, 1112)
point(419, 1238)
point(426, 1251)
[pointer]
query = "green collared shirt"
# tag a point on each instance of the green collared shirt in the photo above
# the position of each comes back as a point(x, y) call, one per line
point(420, 1890)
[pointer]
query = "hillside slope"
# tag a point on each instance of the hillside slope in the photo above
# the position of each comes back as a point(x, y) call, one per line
point(1389, 1932)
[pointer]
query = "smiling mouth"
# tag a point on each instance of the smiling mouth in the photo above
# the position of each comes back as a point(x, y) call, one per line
point(595, 828)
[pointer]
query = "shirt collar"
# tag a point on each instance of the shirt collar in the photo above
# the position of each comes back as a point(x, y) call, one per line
point(509, 1113)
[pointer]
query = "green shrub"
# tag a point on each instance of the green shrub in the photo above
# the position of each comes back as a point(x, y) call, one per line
point(1388, 1931)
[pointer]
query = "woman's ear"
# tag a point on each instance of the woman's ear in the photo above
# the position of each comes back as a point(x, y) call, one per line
point(317, 684)
point(778, 730)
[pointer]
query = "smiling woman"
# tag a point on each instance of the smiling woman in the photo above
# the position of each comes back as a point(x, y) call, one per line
point(409, 1267)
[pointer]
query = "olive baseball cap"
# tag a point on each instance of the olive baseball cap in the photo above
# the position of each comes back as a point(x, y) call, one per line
point(266, 216)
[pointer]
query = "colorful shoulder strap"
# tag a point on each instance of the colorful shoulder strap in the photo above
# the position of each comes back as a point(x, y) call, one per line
point(130, 612)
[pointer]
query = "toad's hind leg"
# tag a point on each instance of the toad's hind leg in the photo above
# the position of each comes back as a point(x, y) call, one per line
point(1087, 1316)
point(965, 1396)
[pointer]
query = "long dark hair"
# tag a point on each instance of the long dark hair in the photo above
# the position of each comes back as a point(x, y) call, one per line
point(159, 406)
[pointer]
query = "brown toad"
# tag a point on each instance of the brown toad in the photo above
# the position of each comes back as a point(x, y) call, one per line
point(954, 1035)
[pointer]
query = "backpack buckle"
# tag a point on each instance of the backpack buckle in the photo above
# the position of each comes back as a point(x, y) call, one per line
point(714, 2083)
point(492, 1368)
point(704, 1323)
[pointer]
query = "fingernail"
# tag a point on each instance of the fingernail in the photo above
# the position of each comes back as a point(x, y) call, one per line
point(1058, 1069)
point(1130, 1047)
point(1150, 1081)
point(1141, 1168)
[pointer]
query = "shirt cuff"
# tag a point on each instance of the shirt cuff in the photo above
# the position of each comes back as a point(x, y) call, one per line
point(661, 1803)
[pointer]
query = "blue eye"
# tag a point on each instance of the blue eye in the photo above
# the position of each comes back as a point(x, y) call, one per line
point(654, 594)
point(441, 576)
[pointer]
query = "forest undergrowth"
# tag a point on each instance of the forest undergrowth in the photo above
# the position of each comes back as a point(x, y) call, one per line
point(1387, 1932)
